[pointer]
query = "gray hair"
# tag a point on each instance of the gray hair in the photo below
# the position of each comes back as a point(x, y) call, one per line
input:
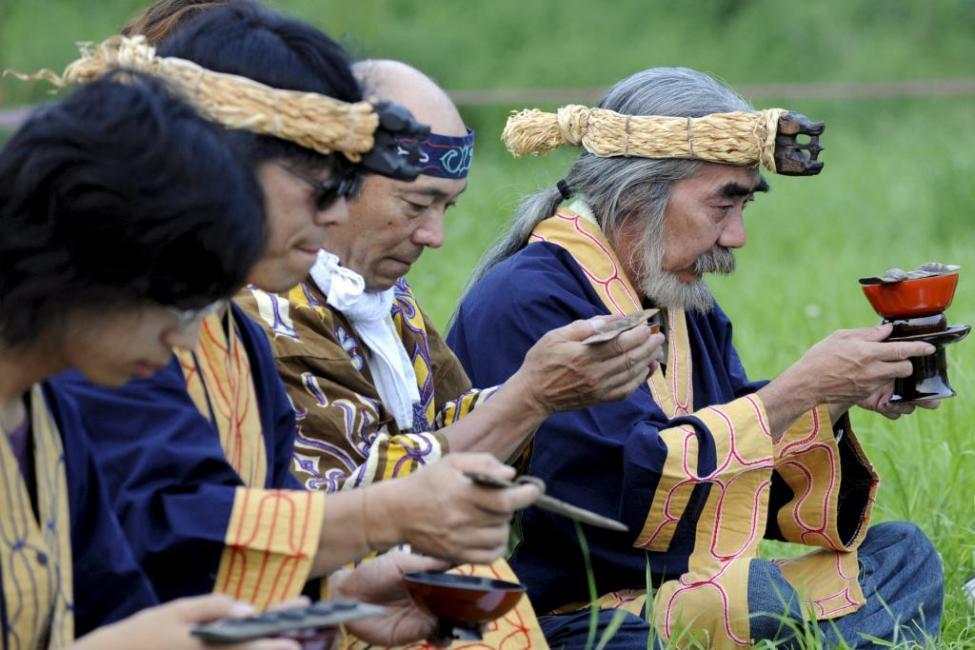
point(621, 188)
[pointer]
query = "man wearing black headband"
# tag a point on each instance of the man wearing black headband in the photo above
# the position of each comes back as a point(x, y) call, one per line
point(378, 392)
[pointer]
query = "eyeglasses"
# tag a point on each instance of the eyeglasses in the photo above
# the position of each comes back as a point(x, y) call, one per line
point(186, 318)
point(329, 191)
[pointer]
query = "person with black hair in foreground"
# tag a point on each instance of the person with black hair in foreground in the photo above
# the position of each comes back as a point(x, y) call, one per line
point(204, 494)
point(123, 218)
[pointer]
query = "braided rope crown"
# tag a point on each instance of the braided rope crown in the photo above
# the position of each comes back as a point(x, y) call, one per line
point(737, 138)
point(313, 121)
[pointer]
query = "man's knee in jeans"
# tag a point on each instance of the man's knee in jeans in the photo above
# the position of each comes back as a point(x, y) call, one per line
point(901, 576)
point(571, 631)
point(774, 606)
point(906, 570)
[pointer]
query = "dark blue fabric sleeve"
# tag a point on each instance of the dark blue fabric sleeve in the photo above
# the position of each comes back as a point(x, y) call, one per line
point(614, 445)
point(721, 325)
point(607, 458)
point(165, 469)
point(108, 583)
point(166, 475)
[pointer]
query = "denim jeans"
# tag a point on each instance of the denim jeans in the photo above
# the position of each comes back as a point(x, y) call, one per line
point(900, 574)
point(571, 631)
point(901, 577)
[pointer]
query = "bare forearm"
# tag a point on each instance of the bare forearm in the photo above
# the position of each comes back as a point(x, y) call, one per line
point(785, 398)
point(840, 371)
point(357, 522)
point(837, 411)
point(501, 425)
point(790, 395)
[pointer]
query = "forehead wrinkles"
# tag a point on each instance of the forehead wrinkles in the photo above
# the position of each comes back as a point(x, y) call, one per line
point(438, 188)
point(711, 177)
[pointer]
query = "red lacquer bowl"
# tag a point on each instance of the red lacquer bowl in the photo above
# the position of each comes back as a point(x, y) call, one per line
point(912, 298)
point(467, 600)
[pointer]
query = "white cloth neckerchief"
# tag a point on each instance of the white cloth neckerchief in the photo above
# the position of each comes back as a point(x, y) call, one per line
point(369, 314)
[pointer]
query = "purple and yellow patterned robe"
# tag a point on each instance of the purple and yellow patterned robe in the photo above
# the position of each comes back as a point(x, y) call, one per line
point(345, 434)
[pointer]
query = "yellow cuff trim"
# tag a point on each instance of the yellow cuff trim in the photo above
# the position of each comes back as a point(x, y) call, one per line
point(271, 541)
point(742, 442)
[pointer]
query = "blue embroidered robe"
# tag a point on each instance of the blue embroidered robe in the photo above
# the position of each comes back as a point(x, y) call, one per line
point(195, 519)
point(654, 467)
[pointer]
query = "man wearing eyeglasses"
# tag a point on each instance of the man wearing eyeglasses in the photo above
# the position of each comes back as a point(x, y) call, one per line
point(377, 391)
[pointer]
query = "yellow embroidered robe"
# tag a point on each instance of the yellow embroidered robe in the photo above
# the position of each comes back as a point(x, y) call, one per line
point(72, 541)
point(35, 561)
point(692, 475)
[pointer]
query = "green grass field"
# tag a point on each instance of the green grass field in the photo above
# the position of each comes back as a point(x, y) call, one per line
point(898, 188)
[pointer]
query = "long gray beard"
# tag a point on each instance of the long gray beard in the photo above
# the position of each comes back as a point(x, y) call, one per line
point(666, 290)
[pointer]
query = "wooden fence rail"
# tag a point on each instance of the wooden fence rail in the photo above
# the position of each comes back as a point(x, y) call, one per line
point(823, 90)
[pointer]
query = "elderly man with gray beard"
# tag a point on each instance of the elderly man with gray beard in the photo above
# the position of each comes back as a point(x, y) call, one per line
point(701, 463)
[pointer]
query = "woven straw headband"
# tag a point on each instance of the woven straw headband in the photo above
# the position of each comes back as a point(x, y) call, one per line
point(317, 122)
point(741, 138)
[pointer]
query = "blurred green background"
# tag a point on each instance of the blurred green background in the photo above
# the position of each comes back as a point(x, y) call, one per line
point(898, 188)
